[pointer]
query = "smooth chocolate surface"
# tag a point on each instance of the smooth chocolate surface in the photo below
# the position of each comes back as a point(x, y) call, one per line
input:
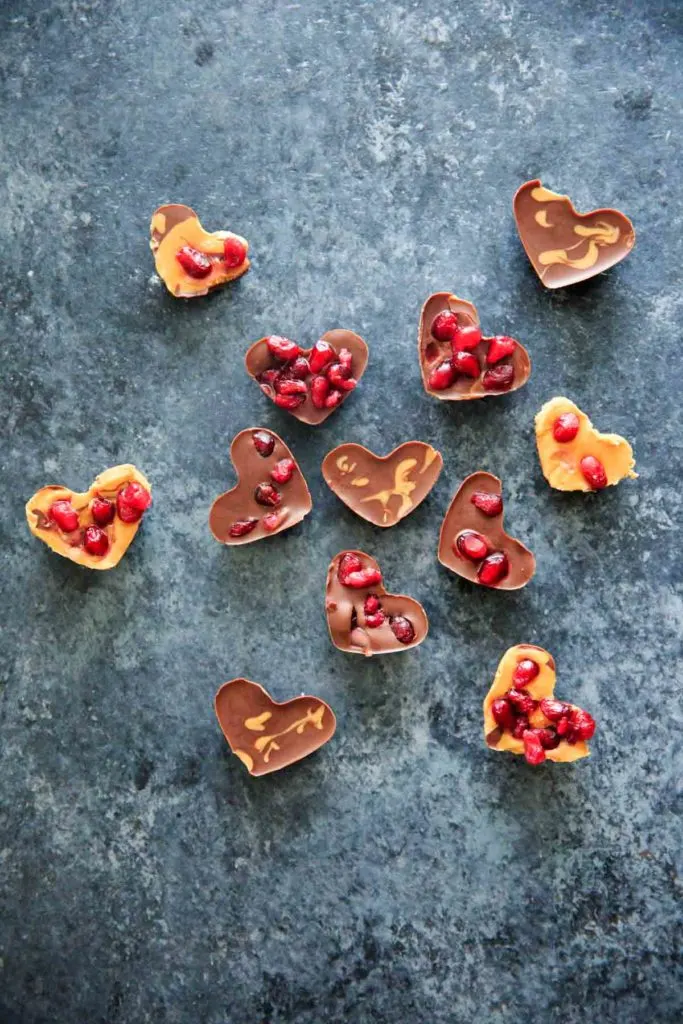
point(253, 469)
point(176, 225)
point(431, 352)
point(462, 515)
point(258, 358)
point(267, 734)
point(382, 489)
point(346, 618)
point(563, 245)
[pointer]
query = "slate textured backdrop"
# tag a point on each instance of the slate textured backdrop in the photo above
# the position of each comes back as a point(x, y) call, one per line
point(369, 151)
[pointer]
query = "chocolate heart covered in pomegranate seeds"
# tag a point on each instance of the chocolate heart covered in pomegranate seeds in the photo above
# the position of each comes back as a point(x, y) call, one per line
point(362, 617)
point(457, 362)
point(189, 260)
point(96, 527)
point(270, 496)
point(382, 489)
point(268, 735)
point(574, 455)
point(565, 246)
point(523, 716)
point(474, 544)
point(309, 383)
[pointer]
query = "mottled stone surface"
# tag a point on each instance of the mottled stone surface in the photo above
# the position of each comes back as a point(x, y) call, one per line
point(369, 151)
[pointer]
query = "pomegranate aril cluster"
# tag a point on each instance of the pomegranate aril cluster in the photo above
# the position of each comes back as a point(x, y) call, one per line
point(267, 493)
point(129, 505)
point(401, 627)
point(494, 565)
point(324, 376)
point(462, 361)
point(198, 265)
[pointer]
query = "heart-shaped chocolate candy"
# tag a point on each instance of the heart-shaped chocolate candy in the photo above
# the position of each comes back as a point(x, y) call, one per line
point(268, 735)
point(362, 617)
point(474, 544)
point(270, 496)
point(457, 363)
point(309, 383)
point(96, 527)
point(189, 260)
point(523, 716)
point(382, 489)
point(565, 246)
point(574, 455)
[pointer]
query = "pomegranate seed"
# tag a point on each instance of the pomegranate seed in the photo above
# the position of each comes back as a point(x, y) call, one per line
point(352, 574)
point(272, 520)
point(521, 701)
point(487, 502)
point(346, 360)
point(493, 569)
point(242, 527)
point(402, 628)
point(64, 515)
point(566, 427)
point(264, 443)
point(500, 378)
point(339, 378)
point(234, 252)
point(102, 511)
point(562, 726)
point(553, 709)
point(594, 472)
point(333, 399)
point(322, 353)
point(472, 545)
point(287, 386)
point(193, 262)
point(371, 604)
point(375, 620)
point(270, 377)
point(583, 724)
point(549, 738)
point(95, 541)
point(282, 348)
point(525, 673)
point(442, 377)
point(533, 750)
point(520, 727)
point(282, 471)
point(499, 348)
point(320, 389)
point(289, 401)
point(503, 714)
point(131, 501)
point(466, 338)
point(300, 368)
point(349, 563)
point(467, 363)
point(266, 494)
point(444, 325)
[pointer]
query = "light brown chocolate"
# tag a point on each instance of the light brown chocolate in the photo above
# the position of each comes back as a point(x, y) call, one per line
point(174, 226)
point(382, 489)
point(565, 246)
point(432, 352)
point(462, 515)
point(347, 620)
point(267, 734)
point(253, 469)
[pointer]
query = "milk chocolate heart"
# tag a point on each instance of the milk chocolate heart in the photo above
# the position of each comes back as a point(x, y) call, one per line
point(189, 260)
point(574, 455)
point(522, 715)
point(309, 383)
point(96, 527)
point(382, 489)
point(271, 494)
point(473, 542)
point(565, 246)
point(268, 735)
point(457, 363)
point(362, 617)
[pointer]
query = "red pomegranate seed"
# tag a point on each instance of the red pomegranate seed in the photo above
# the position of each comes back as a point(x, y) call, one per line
point(493, 569)
point(352, 574)
point(282, 471)
point(242, 527)
point(582, 724)
point(522, 702)
point(500, 378)
point(566, 427)
point(549, 738)
point(322, 353)
point(348, 563)
point(472, 545)
point(487, 502)
point(499, 348)
point(333, 399)
point(289, 401)
point(444, 325)
point(95, 541)
point(339, 378)
point(64, 515)
point(553, 709)
point(520, 727)
point(466, 338)
point(594, 472)
point(525, 672)
point(266, 494)
point(563, 726)
point(467, 363)
point(234, 252)
point(103, 511)
point(533, 750)
point(503, 714)
point(131, 501)
point(320, 389)
point(282, 348)
point(300, 368)
point(269, 377)
point(193, 262)
point(371, 604)
point(272, 520)
point(375, 619)
point(442, 377)
point(264, 443)
point(346, 360)
point(287, 386)
point(402, 628)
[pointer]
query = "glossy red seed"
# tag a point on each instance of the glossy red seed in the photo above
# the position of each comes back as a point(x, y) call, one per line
point(103, 511)
point(131, 501)
point(500, 378)
point(363, 578)
point(566, 427)
point(553, 709)
point(300, 368)
point(444, 325)
point(466, 338)
point(466, 363)
point(320, 389)
point(525, 672)
point(333, 399)
point(502, 712)
point(234, 252)
point(348, 563)
point(264, 443)
point(493, 569)
point(282, 348)
point(375, 619)
point(95, 541)
point(499, 348)
point(282, 471)
point(270, 377)
point(442, 377)
point(520, 727)
point(346, 360)
point(582, 724)
point(548, 738)
point(487, 502)
point(242, 527)
point(266, 494)
point(563, 726)
point(289, 401)
point(287, 386)
point(339, 378)
point(194, 263)
point(371, 604)
point(402, 628)
point(522, 702)
point(272, 520)
point(594, 472)
point(472, 545)
point(321, 354)
point(64, 515)
point(533, 750)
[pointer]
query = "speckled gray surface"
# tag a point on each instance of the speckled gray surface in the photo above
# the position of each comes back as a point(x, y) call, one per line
point(369, 151)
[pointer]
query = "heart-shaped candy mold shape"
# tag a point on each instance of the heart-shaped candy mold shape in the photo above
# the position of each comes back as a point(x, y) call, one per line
point(189, 260)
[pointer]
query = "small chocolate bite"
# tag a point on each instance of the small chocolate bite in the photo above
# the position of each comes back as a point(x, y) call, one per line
point(362, 616)
point(565, 246)
point(382, 489)
point(457, 362)
point(271, 493)
point(473, 543)
point(267, 734)
point(189, 260)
